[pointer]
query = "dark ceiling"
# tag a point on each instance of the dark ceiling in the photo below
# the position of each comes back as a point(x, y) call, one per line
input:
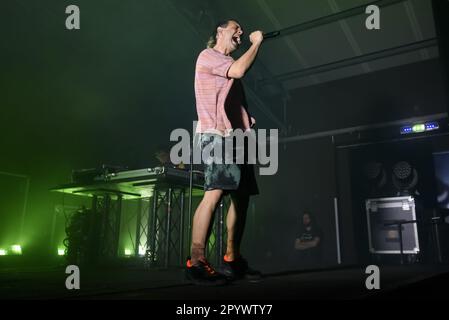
point(113, 90)
point(325, 50)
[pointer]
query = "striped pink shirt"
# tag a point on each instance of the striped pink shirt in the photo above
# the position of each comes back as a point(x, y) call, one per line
point(220, 101)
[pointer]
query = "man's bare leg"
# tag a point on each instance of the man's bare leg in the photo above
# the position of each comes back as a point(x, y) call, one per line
point(235, 223)
point(201, 222)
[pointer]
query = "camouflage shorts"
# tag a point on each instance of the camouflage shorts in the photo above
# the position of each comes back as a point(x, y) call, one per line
point(230, 177)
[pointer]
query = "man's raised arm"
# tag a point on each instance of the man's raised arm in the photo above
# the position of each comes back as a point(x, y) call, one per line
point(242, 64)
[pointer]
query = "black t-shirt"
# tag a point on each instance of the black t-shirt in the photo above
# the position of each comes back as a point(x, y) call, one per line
point(309, 233)
point(311, 255)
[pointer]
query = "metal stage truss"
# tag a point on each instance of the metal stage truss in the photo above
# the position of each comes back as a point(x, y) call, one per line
point(109, 208)
point(163, 233)
point(165, 243)
point(163, 225)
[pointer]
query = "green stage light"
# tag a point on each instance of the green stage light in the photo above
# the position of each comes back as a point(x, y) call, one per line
point(16, 249)
point(419, 128)
point(128, 252)
point(61, 252)
point(3, 252)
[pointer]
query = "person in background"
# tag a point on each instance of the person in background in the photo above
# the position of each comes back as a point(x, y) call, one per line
point(308, 241)
point(162, 154)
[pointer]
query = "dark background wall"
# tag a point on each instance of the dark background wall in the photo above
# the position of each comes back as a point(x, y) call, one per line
point(110, 92)
point(402, 92)
point(305, 181)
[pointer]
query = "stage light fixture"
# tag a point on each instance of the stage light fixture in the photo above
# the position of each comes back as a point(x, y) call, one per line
point(142, 250)
point(402, 170)
point(375, 177)
point(404, 177)
point(61, 252)
point(3, 252)
point(372, 170)
point(128, 252)
point(420, 127)
point(16, 249)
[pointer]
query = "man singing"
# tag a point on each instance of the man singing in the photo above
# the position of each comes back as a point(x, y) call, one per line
point(221, 108)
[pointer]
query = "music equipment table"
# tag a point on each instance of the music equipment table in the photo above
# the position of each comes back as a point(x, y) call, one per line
point(161, 229)
point(133, 184)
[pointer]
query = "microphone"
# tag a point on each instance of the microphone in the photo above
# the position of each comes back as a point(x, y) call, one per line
point(271, 34)
point(268, 35)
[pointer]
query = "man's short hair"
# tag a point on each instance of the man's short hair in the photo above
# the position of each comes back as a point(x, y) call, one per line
point(213, 37)
point(308, 212)
point(304, 212)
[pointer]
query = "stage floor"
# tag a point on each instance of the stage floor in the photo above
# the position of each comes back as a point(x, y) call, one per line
point(138, 283)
